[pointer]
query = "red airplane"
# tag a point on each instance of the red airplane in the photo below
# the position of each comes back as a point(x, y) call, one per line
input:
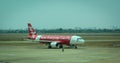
point(54, 40)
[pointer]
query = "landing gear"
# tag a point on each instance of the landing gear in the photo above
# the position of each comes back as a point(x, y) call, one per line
point(49, 47)
point(74, 46)
point(60, 46)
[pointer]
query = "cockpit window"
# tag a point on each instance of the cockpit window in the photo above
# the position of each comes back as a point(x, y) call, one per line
point(78, 39)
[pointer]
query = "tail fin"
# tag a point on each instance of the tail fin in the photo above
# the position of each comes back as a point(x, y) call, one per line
point(32, 34)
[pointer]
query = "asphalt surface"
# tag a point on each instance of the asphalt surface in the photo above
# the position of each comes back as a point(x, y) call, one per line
point(40, 54)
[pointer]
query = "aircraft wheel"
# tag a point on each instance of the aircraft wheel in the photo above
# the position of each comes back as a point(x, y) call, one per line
point(60, 46)
point(75, 47)
point(49, 46)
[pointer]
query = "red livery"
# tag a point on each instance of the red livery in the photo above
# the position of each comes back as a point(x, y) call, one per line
point(60, 39)
point(54, 40)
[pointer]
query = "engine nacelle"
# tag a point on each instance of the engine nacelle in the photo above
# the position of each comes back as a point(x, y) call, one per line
point(53, 44)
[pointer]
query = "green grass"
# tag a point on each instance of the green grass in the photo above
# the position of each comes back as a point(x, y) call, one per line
point(13, 37)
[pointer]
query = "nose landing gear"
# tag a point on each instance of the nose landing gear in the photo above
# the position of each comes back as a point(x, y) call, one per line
point(73, 46)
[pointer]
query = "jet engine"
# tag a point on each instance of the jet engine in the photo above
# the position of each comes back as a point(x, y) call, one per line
point(53, 44)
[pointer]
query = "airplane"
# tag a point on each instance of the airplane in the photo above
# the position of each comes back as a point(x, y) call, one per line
point(55, 40)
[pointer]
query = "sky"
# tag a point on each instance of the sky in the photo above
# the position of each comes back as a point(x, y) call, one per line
point(51, 14)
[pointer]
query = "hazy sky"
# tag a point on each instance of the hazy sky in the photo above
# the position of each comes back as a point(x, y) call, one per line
point(49, 14)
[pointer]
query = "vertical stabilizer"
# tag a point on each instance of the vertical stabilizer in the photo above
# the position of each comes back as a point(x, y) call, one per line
point(32, 33)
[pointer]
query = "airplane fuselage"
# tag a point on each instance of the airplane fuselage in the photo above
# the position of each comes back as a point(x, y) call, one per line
point(54, 40)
